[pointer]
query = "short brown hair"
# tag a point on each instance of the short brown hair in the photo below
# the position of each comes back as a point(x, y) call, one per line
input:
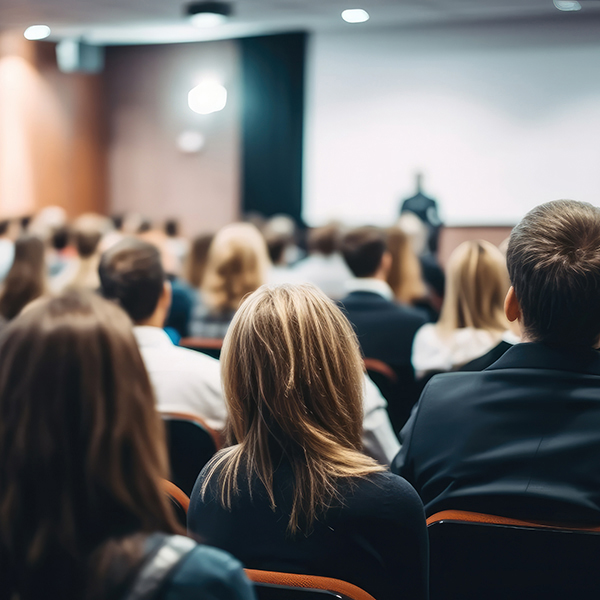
point(363, 248)
point(553, 261)
point(131, 273)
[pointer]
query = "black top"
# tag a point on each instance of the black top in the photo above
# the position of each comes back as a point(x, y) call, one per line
point(519, 439)
point(376, 540)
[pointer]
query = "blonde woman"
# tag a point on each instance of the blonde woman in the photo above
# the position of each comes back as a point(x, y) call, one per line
point(237, 264)
point(294, 492)
point(472, 322)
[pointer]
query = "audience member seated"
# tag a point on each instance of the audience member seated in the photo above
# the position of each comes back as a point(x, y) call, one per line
point(325, 266)
point(472, 322)
point(131, 273)
point(178, 245)
point(60, 252)
point(294, 493)
point(195, 265)
point(384, 327)
point(82, 272)
point(26, 279)
point(521, 438)
point(237, 264)
point(82, 455)
point(404, 276)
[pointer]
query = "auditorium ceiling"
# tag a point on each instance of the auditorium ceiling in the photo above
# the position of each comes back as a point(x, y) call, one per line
point(162, 21)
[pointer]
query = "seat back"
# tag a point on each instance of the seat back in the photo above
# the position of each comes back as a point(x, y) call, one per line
point(475, 556)
point(272, 585)
point(191, 444)
point(179, 500)
point(209, 346)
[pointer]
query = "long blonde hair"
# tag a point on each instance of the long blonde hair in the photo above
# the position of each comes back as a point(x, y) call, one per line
point(293, 377)
point(404, 276)
point(237, 265)
point(476, 285)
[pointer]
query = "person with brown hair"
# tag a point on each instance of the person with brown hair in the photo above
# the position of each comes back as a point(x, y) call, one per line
point(294, 493)
point(472, 322)
point(82, 455)
point(521, 438)
point(26, 279)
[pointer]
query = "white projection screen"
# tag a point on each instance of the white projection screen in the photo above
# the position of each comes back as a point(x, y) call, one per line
point(499, 118)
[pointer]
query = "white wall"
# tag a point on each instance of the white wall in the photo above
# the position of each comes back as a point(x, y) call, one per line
point(498, 117)
point(147, 89)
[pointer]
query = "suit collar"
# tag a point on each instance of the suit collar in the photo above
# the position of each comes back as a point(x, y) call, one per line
point(534, 355)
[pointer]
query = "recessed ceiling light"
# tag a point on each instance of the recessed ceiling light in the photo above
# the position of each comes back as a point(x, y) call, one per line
point(208, 14)
point(207, 97)
point(37, 32)
point(567, 5)
point(355, 15)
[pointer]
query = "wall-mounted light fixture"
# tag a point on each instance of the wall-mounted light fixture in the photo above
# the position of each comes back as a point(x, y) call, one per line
point(207, 97)
point(208, 14)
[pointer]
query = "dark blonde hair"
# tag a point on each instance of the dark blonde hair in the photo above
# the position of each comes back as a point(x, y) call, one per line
point(476, 285)
point(237, 265)
point(404, 276)
point(293, 381)
point(82, 448)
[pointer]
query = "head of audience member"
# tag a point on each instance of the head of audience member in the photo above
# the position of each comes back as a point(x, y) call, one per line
point(404, 276)
point(280, 234)
point(26, 279)
point(82, 449)
point(553, 259)
point(365, 252)
point(237, 264)
point(132, 275)
point(197, 258)
point(324, 240)
point(476, 285)
point(4, 227)
point(172, 228)
point(293, 377)
point(60, 238)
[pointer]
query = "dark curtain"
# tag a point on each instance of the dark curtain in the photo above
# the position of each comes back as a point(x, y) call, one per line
point(272, 123)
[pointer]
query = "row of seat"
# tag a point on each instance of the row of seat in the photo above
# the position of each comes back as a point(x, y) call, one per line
point(473, 556)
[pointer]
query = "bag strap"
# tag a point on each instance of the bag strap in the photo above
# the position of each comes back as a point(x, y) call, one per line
point(156, 570)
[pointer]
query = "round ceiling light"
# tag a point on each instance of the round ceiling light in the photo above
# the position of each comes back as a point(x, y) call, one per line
point(567, 5)
point(355, 15)
point(37, 32)
point(208, 14)
point(207, 97)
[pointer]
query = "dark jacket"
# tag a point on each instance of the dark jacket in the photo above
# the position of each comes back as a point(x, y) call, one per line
point(519, 439)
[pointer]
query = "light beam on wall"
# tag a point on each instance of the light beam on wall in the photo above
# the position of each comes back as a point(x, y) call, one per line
point(207, 97)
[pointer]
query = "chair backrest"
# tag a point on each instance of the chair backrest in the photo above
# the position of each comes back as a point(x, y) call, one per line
point(476, 556)
point(191, 444)
point(179, 500)
point(209, 346)
point(272, 585)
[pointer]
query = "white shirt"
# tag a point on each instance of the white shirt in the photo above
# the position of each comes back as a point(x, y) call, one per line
point(434, 352)
point(329, 273)
point(379, 440)
point(183, 380)
point(370, 284)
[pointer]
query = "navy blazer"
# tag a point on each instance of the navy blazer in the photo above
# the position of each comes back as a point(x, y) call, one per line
point(520, 439)
point(385, 329)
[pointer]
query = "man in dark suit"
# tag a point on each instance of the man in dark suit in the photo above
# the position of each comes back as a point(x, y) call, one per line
point(522, 438)
point(385, 329)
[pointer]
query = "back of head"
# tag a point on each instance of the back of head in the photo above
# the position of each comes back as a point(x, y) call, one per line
point(363, 248)
point(196, 259)
point(26, 279)
point(324, 240)
point(293, 377)
point(132, 274)
point(553, 260)
point(81, 446)
point(476, 285)
point(237, 265)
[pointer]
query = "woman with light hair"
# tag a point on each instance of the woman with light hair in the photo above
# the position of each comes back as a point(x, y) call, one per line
point(472, 322)
point(294, 492)
point(237, 265)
